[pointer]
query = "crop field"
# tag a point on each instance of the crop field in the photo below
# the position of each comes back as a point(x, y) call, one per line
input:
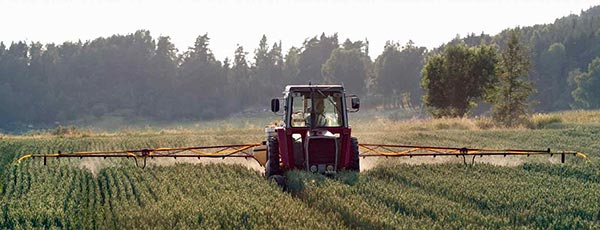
point(425, 193)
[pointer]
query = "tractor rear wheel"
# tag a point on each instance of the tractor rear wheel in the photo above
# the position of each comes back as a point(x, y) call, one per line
point(272, 166)
point(354, 163)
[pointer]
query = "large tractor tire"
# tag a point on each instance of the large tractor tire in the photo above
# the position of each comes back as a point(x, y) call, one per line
point(272, 166)
point(355, 163)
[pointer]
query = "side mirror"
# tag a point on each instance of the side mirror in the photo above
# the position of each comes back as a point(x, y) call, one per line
point(355, 103)
point(275, 105)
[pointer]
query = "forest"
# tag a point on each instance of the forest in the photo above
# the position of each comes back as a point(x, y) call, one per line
point(138, 75)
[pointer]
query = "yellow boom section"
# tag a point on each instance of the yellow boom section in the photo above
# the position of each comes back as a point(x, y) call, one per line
point(219, 151)
point(378, 150)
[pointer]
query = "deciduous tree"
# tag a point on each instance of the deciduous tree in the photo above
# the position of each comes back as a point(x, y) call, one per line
point(455, 79)
point(587, 93)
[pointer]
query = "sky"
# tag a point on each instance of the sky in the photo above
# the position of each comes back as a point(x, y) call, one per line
point(229, 23)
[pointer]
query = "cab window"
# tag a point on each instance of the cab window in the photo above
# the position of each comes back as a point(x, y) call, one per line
point(328, 109)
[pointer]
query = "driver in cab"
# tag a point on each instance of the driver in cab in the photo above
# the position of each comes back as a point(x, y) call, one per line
point(320, 118)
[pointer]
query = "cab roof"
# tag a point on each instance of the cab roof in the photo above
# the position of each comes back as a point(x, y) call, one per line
point(301, 87)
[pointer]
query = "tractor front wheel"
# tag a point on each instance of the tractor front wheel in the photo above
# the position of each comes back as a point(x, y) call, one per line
point(279, 180)
point(354, 163)
point(272, 166)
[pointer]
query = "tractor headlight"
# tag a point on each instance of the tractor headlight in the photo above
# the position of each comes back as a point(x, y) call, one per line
point(330, 168)
point(313, 168)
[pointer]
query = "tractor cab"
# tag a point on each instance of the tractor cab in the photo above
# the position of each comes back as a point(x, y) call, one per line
point(315, 134)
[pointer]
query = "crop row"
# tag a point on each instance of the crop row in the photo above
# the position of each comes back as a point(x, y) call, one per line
point(525, 198)
point(453, 196)
point(181, 196)
point(187, 196)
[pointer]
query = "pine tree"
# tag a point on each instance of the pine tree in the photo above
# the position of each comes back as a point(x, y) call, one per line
point(510, 106)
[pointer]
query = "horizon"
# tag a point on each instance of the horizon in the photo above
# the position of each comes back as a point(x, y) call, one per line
point(87, 20)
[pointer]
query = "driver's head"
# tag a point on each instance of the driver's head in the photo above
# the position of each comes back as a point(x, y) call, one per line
point(319, 105)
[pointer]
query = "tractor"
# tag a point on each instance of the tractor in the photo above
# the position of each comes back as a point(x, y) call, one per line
point(315, 134)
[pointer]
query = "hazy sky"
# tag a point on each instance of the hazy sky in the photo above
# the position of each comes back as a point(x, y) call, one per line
point(230, 22)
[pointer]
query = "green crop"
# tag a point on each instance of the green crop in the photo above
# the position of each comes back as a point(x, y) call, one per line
point(536, 192)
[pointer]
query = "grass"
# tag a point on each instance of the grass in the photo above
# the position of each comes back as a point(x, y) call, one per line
point(508, 193)
point(451, 196)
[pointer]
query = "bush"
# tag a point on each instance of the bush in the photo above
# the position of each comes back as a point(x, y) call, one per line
point(540, 121)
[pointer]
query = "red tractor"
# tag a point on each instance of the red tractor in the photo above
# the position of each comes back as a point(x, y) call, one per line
point(315, 134)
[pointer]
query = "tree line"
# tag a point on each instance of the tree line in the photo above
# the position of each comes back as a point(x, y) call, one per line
point(138, 75)
point(544, 67)
point(560, 55)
